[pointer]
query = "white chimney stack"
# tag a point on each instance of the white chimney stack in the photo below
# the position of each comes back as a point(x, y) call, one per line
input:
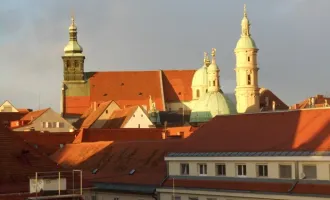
point(273, 105)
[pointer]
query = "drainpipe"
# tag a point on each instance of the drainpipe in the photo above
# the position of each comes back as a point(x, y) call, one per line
point(296, 165)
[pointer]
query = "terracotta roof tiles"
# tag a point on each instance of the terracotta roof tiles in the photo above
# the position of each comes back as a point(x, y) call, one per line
point(177, 85)
point(127, 87)
point(31, 116)
point(119, 118)
point(270, 131)
point(122, 134)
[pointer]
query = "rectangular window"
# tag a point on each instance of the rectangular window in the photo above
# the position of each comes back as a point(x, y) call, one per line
point(44, 124)
point(241, 170)
point(202, 168)
point(193, 198)
point(248, 58)
point(177, 198)
point(262, 170)
point(285, 171)
point(54, 125)
point(50, 125)
point(61, 125)
point(184, 169)
point(221, 170)
point(249, 79)
point(116, 198)
point(310, 171)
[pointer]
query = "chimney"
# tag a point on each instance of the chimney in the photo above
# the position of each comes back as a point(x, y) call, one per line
point(94, 105)
point(313, 101)
point(326, 103)
point(163, 135)
point(273, 106)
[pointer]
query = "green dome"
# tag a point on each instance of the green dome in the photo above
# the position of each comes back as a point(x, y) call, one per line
point(211, 105)
point(246, 43)
point(200, 77)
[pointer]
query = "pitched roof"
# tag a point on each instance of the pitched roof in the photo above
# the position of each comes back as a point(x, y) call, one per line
point(90, 115)
point(6, 117)
point(122, 134)
point(114, 161)
point(127, 87)
point(46, 142)
point(185, 131)
point(251, 186)
point(18, 161)
point(177, 85)
point(319, 99)
point(31, 116)
point(266, 93)
point(269, 131)
point(119, 118)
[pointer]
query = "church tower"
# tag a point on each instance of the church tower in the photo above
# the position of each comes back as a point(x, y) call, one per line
point(247, 90)
point(213, 74)
point(73, 59)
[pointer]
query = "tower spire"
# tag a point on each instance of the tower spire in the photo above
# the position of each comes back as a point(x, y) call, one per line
point(245, 24)
point(213, 55)
point(73, 46)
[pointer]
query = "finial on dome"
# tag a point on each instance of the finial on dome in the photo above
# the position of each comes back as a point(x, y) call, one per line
point(245, 24)
point(213, 54)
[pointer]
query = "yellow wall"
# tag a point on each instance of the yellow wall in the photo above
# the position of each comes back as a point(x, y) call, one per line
point(112, 196)
point(166, 194)
point(139, 118)
point(7, 103)
point(323, 168)
point(99, 123)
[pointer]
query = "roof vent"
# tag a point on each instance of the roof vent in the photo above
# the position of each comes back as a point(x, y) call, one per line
point(122, 84)
point(140, 93)
point(95, 171)
point(105, 94)
point(132, 172)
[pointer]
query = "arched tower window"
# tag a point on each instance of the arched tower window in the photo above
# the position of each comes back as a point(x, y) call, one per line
point(213, 83)
point(197, 93)
point(249, 79)
point(248, 58)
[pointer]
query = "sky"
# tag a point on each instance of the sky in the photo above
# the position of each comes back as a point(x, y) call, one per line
point(292, 37)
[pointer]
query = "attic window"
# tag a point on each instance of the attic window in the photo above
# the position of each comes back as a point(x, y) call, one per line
point(106, 111)
point(94, 171)
point(132, 172)
point(140, 93)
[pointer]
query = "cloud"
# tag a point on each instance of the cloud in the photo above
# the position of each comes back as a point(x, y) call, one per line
point(167, 34)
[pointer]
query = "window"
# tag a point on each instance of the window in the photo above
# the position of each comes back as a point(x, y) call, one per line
point(177, 198)
point(262, 170)
point(7, 109)
point(54, 125)
point(93, 197)
point(106, 111)
point(285, 171)
point(184, 169)
point(310, 171)
point(221, 170)
point(139, 125)
point(116, 198)
point(61, 124)
point(211, 198)
point(197, 93)
point(213, 83)
point(50, 125)
point(43, 124)
point(202, 169)
point(141, 115)
point(241, 170)
point(249, 79)
point(267, 101)
point(193, 198)
point(248, 58)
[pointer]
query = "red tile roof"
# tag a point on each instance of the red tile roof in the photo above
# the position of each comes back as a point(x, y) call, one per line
point(266, 93)
point(127, 87)
point(279, 187)
point(185, 131)
point(31, 116)
point(76, 105)
point(119, 118)
point(46, 142)
point(92, 114)
point(122, 134)
point(273, 131)
point(19, 161)
point(177, 85)
point(319, 102)
point(115, 161)
point(7, 117)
